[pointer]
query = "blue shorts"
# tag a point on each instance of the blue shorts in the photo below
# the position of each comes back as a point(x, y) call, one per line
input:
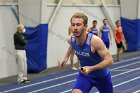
point(107, 44)
point(86, 83)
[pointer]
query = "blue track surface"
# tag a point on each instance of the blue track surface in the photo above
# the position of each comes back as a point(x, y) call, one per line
point(125, 77)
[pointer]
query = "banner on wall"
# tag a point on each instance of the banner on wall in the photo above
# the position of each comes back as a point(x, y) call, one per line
point(36, 49)
point(131, 30)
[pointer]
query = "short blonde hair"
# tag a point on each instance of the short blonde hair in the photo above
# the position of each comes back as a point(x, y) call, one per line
point(19, 26)
point(80, 15)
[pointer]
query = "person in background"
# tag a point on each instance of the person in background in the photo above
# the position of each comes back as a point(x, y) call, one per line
point(104, 33)
point(93, 29)
point(119, 37)
point(20, 43)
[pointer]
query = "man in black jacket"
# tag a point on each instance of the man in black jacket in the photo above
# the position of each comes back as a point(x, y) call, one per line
point(20, 43)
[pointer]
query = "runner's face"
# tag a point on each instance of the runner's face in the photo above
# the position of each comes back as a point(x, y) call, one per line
point(94, 24)
point(77, 26)
point(118, 24)
point(105, 22)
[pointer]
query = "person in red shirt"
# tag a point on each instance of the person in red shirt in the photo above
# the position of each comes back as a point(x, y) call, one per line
point(119, 37)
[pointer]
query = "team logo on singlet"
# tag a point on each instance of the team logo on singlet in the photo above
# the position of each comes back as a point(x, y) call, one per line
point(81, 53)
point(105, 30)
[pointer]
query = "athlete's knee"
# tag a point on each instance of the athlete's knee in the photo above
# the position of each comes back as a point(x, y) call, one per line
point(77, 91)
point(119, 49)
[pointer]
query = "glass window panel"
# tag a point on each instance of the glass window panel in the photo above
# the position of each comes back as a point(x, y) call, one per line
point(112, 2)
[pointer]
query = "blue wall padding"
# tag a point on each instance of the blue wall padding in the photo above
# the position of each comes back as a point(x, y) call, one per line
point(138, 31)
point(131, 30)
point(36, 48)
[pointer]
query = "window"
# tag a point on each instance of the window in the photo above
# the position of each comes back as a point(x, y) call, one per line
point(8, 1)
point(97, 2)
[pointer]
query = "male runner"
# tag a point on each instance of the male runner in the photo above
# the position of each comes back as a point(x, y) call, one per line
point(104, 34)
point(93, 29)
point(93, 55)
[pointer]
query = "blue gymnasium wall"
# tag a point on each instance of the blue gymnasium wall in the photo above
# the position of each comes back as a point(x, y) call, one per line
point(131, 30)
point(36, 49)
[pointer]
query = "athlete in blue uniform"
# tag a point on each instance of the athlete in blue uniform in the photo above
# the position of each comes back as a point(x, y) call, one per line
point(93, 55)
point(93, 29)
point(104, 32)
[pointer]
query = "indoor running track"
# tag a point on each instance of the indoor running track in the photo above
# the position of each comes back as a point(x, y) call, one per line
point(125, 77)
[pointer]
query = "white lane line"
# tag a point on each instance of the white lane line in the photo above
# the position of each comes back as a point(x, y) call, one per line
point(126, 60)
point(125, 65)
point(115, 70)
point(41, 82)
point(62, 77)
point(66, 91)
point(126, 82)
point(69, 90)
point(112, 77)
point(131, 89)
point(138, 91)
point(52, 86)
point(126, 69)
point(125, 72)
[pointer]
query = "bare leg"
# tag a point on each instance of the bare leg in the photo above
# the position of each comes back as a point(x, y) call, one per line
point(118, 54)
